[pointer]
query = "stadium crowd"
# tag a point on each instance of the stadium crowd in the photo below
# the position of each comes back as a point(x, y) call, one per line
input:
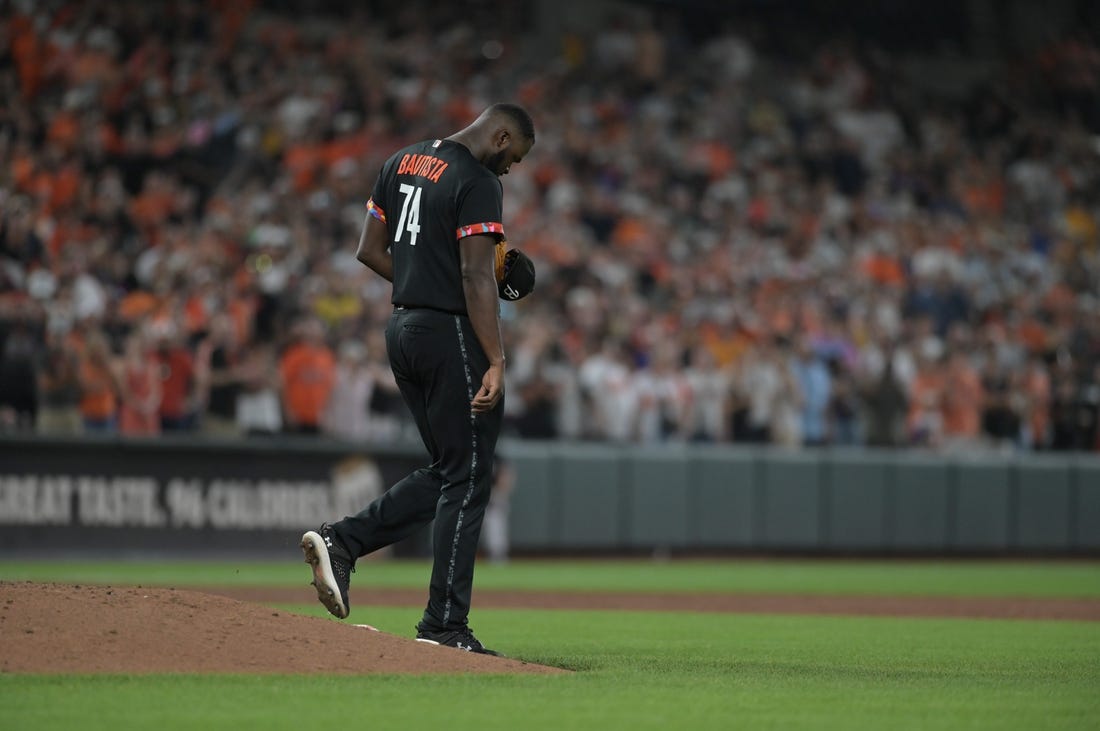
point(735, 241)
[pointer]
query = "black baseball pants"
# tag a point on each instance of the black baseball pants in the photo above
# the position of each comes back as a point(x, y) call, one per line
point(438, 363)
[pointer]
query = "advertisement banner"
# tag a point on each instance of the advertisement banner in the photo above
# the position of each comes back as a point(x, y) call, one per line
point(109, 497)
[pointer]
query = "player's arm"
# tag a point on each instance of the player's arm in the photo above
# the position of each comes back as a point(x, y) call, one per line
point(374, 245)
point(478, 260)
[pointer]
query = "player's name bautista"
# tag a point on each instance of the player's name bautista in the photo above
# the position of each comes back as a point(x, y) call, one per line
point(425, 166)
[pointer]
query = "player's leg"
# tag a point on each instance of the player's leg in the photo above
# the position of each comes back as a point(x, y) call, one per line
point(465, 460)
point(332, 550)
point(394, 515)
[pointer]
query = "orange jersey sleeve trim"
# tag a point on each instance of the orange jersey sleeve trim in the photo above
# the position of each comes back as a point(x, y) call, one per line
point(479, 228)
point(375, 210)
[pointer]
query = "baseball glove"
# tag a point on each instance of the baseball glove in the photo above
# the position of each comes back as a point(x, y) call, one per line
point(515, 273)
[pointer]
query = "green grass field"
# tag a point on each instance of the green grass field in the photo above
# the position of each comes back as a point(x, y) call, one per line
point(906, 578)
point(642, 670)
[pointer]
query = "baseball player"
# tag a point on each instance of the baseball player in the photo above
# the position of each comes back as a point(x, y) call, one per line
point(433, 228)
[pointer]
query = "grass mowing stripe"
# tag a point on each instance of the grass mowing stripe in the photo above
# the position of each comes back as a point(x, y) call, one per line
point(505, 703)
point(906, 578)
point(602, 639)
point(657, 670)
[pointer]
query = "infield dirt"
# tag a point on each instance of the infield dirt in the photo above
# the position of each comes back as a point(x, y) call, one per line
point(59, 628)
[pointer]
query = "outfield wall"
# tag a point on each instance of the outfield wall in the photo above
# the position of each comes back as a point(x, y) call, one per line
point(176, 496)
point(835, 501)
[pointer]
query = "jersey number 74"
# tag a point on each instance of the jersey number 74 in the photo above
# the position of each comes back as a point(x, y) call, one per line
point(410, 213)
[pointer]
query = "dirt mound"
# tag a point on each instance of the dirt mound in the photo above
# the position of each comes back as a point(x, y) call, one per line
point(48, 628)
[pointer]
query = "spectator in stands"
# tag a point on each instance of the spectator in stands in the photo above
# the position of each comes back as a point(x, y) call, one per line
point(178, 383)
point(763, 375)
point(885, 403)
point(539, 397)
point(18, 382)
point(926, 399)
point(815, 387)
point(347, 414)
point(561, 371)
point(1074, 410)
point(259, 405)
point(1064, 413)
point(59, 390)
point(1090, 406)
point(139, 414)
point(1035, 395)
point(218, 363)
point(100, 385)
point(709, 418)
point(663, 396)
point(1001, 421)
point(843, 410)
point(606, 377)
point(308, 372)
point(963, 397)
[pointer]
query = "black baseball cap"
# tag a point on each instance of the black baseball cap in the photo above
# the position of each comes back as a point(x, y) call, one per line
point(519, 276)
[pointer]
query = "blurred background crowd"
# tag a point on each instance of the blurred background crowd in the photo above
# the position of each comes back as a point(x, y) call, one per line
point(753, 222)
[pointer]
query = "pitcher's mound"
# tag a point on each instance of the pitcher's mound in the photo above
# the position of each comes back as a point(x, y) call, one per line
point(58, 628)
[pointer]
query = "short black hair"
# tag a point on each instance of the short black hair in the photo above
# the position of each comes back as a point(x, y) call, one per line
point(519, 115)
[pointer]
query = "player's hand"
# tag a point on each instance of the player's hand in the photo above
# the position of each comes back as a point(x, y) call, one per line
point(492, 388)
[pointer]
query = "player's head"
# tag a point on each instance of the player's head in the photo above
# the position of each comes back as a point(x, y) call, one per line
point(502, 135)
point(517, 117)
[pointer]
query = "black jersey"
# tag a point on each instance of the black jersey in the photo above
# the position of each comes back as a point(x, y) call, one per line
point(430, 195)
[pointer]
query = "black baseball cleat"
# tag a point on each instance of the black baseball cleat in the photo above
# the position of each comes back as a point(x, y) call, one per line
point(460, 639)
point(332, 569)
